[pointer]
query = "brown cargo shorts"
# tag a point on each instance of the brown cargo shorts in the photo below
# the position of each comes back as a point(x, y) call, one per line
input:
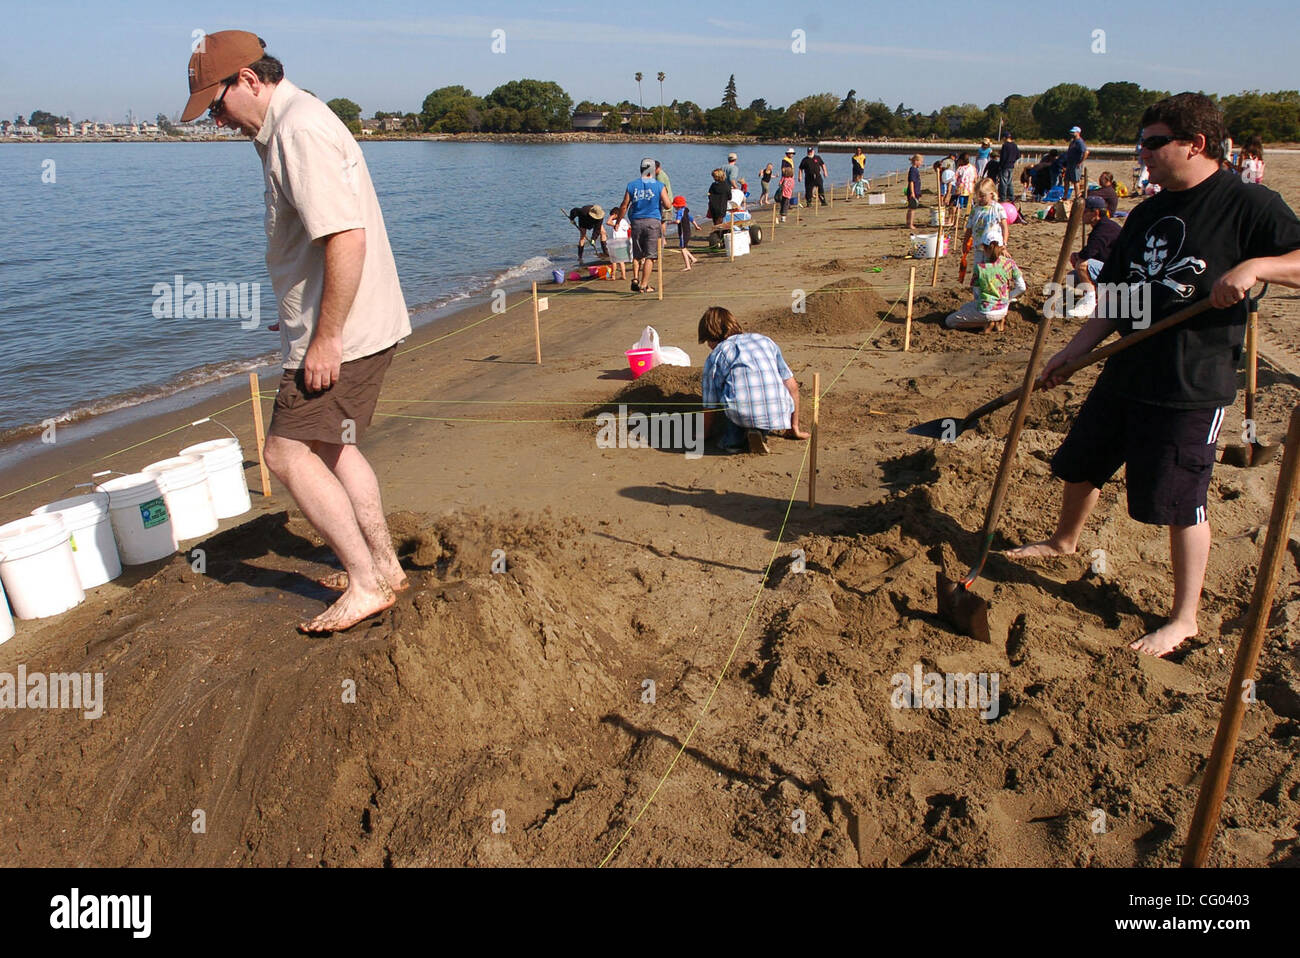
point(339, 415)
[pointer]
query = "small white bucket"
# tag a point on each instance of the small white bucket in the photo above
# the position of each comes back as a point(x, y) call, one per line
point(184, 482)
point(224, 461)
point(741, 241)
point(923, 245)
point(90, 533)
point(36, 567)
point(6, 620)
point(141, 522)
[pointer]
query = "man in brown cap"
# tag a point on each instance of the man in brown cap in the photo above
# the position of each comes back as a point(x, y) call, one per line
point(341, 309)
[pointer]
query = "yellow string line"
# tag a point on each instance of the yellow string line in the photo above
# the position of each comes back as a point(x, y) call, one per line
point(120, 451)
point(721, 675)
point(397, 415)
point(753, 604)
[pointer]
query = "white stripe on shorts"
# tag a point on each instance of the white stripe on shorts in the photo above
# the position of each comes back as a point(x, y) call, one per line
point(1215, 426)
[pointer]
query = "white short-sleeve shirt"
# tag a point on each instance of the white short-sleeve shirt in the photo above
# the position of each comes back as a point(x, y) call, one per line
point(317, 184)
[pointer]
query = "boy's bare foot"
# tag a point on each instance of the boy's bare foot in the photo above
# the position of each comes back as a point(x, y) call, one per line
point(1039, 550)
point(1165, 639)
point(338, 581)
point(353, 606)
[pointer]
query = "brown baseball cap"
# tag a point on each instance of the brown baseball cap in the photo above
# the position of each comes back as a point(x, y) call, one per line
point(219, 56)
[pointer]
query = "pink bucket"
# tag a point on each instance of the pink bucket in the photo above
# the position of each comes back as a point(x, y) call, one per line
point(641, 361)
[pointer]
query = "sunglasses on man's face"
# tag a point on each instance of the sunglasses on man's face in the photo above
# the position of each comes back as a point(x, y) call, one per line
point(218, 105)
point(1153, 143)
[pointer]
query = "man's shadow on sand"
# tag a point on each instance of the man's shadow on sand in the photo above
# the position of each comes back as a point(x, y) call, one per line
point(912, 514)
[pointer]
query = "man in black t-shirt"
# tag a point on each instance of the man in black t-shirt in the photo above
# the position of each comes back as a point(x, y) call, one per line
point(810, 173)
point(1157, 407)
point(589, 218)
point(1007, 160)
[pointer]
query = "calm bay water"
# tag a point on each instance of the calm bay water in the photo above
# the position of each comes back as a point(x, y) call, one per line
point(81, 254)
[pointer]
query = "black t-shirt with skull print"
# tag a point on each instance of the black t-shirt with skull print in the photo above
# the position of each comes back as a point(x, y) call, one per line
point(1180, 242)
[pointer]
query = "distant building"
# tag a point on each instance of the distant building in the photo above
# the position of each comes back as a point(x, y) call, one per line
point(588, 122)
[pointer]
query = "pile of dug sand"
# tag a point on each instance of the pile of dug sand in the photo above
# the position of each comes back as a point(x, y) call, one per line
point(848, 305)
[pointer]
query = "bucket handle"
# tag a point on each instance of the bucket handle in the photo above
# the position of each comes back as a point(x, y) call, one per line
point(200, 422)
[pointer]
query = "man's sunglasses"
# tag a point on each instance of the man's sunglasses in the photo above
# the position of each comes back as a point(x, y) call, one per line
point(218, 105)
point(1153, 143)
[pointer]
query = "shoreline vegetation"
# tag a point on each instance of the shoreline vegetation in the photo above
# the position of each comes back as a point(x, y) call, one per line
point(871, 144)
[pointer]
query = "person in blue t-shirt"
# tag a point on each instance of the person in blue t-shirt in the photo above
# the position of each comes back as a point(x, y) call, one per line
point(1075, 154)
point(644, 203)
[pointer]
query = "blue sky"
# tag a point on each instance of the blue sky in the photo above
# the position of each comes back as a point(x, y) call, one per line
point(99, 59)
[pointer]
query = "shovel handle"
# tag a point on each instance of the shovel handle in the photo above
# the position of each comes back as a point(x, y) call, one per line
point(1096, 356)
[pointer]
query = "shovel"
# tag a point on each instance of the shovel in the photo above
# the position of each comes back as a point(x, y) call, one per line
point(1257, 453)
point(960, 606)
point(957, 603)
point(949, 428)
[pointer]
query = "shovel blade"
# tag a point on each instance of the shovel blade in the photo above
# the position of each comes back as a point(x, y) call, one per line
point(1238, 456)
point(962, 608)
point(1260, 454)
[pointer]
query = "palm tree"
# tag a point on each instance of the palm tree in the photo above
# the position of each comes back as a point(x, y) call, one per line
point(661, 102)
point(639, 100)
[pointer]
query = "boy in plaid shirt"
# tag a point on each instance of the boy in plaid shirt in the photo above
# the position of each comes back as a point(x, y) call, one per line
point(747, 379)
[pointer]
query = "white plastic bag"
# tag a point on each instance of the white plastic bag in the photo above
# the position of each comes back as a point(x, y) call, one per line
point(663, 355)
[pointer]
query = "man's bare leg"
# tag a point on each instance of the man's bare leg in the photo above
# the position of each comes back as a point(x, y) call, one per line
point(647, 270)
point(1189, 548)
point(352, 469)
point(327, 506)
point(1077, 502)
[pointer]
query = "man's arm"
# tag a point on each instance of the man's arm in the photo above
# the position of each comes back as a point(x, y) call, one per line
point(1234, 285)
point(792, 385)
point(1092, 332)
point(622, 209)
point(345, 255)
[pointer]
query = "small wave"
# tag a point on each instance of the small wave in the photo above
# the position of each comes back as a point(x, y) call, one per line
point(189, 379)
point(534, 264)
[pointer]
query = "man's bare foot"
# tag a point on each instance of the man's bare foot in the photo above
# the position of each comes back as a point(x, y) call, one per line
point(338, 581)
point(1165, 639)
point(353, 606)
point(1039, 550)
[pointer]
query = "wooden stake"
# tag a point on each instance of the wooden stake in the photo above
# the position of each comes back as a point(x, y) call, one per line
point(1208, 803)
point(812, 452)
point(537, 326)
point(938, 248)
point(907, 329)
point(659, 288)
point(254, 389)
point(774, 219)
point(797, 210)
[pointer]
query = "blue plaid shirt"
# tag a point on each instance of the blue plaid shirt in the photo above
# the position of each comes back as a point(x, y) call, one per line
point(745, 375)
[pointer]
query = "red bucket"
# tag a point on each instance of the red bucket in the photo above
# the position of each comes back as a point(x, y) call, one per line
point(641, 361)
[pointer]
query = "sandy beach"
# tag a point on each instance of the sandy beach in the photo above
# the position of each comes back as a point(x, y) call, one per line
point(649, 606)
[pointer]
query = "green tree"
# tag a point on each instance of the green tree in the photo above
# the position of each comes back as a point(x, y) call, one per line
point(1019, 113)
point(502, 119)
point(613, 121)
point(547, 98)
point(1119, 107)
point(662, 77)
point(664, 118)
point(461, 118)
point(165, 125)
point(45, 122)
point(879, 120)
point(811, 115)
point(729, 101)
point(345, 109)
point(690, 117)
point(1063, 106)
point(442, 101)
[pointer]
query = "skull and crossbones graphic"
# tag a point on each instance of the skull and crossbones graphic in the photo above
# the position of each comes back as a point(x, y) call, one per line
point(1160, 257)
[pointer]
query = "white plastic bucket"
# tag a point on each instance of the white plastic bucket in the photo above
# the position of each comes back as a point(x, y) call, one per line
point(36, 567)
point(924, 244)
point(90, 533)
point(741, 242)
point(141, 521)
point(184, 482)
point(6, 620)
point(224, 461)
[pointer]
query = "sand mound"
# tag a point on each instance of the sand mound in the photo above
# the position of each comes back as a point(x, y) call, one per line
point(848, 305)
point(662, 389)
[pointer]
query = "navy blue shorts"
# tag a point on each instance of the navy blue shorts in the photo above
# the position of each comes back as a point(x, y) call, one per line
point(1169, 454)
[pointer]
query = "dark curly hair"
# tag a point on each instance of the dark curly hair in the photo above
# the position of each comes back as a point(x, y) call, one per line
point(1187, 114)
